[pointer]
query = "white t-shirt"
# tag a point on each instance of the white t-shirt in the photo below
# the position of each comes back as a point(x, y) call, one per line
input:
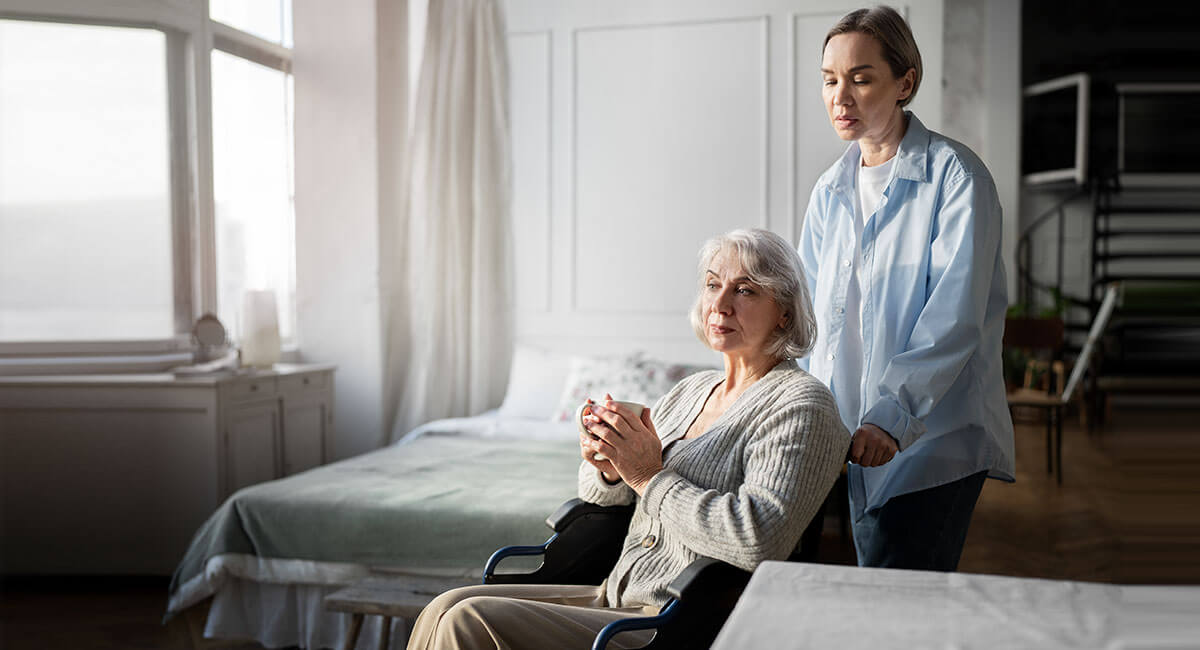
point(871, 182)
point(847, 386)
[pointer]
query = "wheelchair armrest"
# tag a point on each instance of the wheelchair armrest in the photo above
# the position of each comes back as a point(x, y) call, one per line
point(582, 551)
point(489, 569)
point(703, 596)
point(568, 512)
point(706, 579)
point(663, 619)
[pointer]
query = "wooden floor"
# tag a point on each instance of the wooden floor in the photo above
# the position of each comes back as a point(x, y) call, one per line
point(97, 614)
point(1126, 513)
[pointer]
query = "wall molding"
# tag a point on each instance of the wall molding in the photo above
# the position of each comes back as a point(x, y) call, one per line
point(548, 198)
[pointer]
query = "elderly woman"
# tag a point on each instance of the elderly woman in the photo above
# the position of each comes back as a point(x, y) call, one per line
point(729, 464)
point(901, 246)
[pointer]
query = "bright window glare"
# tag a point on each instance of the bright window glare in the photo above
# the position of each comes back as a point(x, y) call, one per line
point(269, 20)
point(252, 186)
point(85, 217)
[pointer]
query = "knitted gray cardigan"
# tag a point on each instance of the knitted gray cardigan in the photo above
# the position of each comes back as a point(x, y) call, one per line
point(743, 492)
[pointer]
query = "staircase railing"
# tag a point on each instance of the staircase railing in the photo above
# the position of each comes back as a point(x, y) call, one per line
point(1026, 283)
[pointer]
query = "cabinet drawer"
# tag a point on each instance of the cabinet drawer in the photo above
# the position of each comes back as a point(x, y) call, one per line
point(252, 388)
point(298, 384)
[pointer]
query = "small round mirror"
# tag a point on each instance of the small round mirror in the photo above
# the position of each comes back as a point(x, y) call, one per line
point(209, 331)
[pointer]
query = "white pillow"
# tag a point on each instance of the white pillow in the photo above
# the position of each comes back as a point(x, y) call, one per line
point(631, 379)
point(535, 383)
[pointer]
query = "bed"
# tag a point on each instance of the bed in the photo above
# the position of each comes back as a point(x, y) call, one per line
point(433, 505)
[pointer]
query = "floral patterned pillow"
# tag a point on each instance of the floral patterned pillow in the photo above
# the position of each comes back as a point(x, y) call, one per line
point(630, 379)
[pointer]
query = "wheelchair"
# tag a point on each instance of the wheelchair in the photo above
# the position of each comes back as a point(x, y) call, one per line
point(585, 546)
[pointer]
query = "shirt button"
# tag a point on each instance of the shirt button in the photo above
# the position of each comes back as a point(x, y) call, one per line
point(829, 356)
point(845, 262)
point(649, 541)
point(841, 310)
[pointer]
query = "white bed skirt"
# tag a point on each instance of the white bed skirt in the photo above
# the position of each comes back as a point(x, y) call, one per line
point(280, 603)
point(285, 615)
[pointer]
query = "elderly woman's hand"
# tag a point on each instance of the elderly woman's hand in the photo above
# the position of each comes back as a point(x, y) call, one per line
point(630, 443)
point(589, 447)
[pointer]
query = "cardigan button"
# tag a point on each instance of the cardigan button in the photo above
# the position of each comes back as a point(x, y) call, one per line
point(649, 542)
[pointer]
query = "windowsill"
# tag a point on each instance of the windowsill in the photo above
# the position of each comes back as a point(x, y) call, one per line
point(93, 365)
point(112, 364)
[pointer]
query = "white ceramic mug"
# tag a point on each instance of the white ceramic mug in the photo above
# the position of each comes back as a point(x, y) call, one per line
point(580, 412)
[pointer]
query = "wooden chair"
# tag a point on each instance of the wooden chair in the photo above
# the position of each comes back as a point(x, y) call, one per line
point(1047, 334)
point(1043, 338)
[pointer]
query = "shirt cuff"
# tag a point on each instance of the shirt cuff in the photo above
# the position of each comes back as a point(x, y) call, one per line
point(657, 489)
point(887, 414)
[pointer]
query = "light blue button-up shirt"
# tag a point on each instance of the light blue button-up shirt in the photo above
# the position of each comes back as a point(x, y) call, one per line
point(934, 295)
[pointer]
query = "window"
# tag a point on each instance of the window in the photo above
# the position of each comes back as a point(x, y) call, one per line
point(252, 187)
point(108, 244)
point(85, 192)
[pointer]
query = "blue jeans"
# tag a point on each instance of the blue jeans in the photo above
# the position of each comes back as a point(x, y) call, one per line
point(920, 530)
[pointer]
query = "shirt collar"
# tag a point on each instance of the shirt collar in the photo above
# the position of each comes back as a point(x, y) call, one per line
point(910, 158)
point(914, 149)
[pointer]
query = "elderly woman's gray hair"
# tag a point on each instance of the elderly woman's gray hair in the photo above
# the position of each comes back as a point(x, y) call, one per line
point(773, 264)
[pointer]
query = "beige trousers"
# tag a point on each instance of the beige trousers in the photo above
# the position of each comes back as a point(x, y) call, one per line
point(519, 617)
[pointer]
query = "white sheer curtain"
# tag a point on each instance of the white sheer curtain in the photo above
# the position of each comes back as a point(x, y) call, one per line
point(451, 340)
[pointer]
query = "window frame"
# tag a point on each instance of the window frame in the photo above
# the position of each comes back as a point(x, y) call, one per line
point(191, 37)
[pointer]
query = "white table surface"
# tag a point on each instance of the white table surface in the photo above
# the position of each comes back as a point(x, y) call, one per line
point(795, 605)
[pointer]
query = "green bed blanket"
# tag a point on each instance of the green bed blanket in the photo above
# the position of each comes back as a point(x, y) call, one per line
point(437, 502)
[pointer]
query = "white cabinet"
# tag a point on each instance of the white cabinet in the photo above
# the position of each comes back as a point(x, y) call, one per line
point(251, 444)
point(275, 424)
point(304, 445)
point(112, 474)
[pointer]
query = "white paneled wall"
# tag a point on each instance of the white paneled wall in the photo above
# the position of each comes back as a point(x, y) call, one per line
point(641, 129)
point(670, 135)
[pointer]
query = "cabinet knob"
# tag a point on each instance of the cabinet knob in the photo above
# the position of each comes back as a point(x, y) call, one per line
point(306, 381)
point(253, 387)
